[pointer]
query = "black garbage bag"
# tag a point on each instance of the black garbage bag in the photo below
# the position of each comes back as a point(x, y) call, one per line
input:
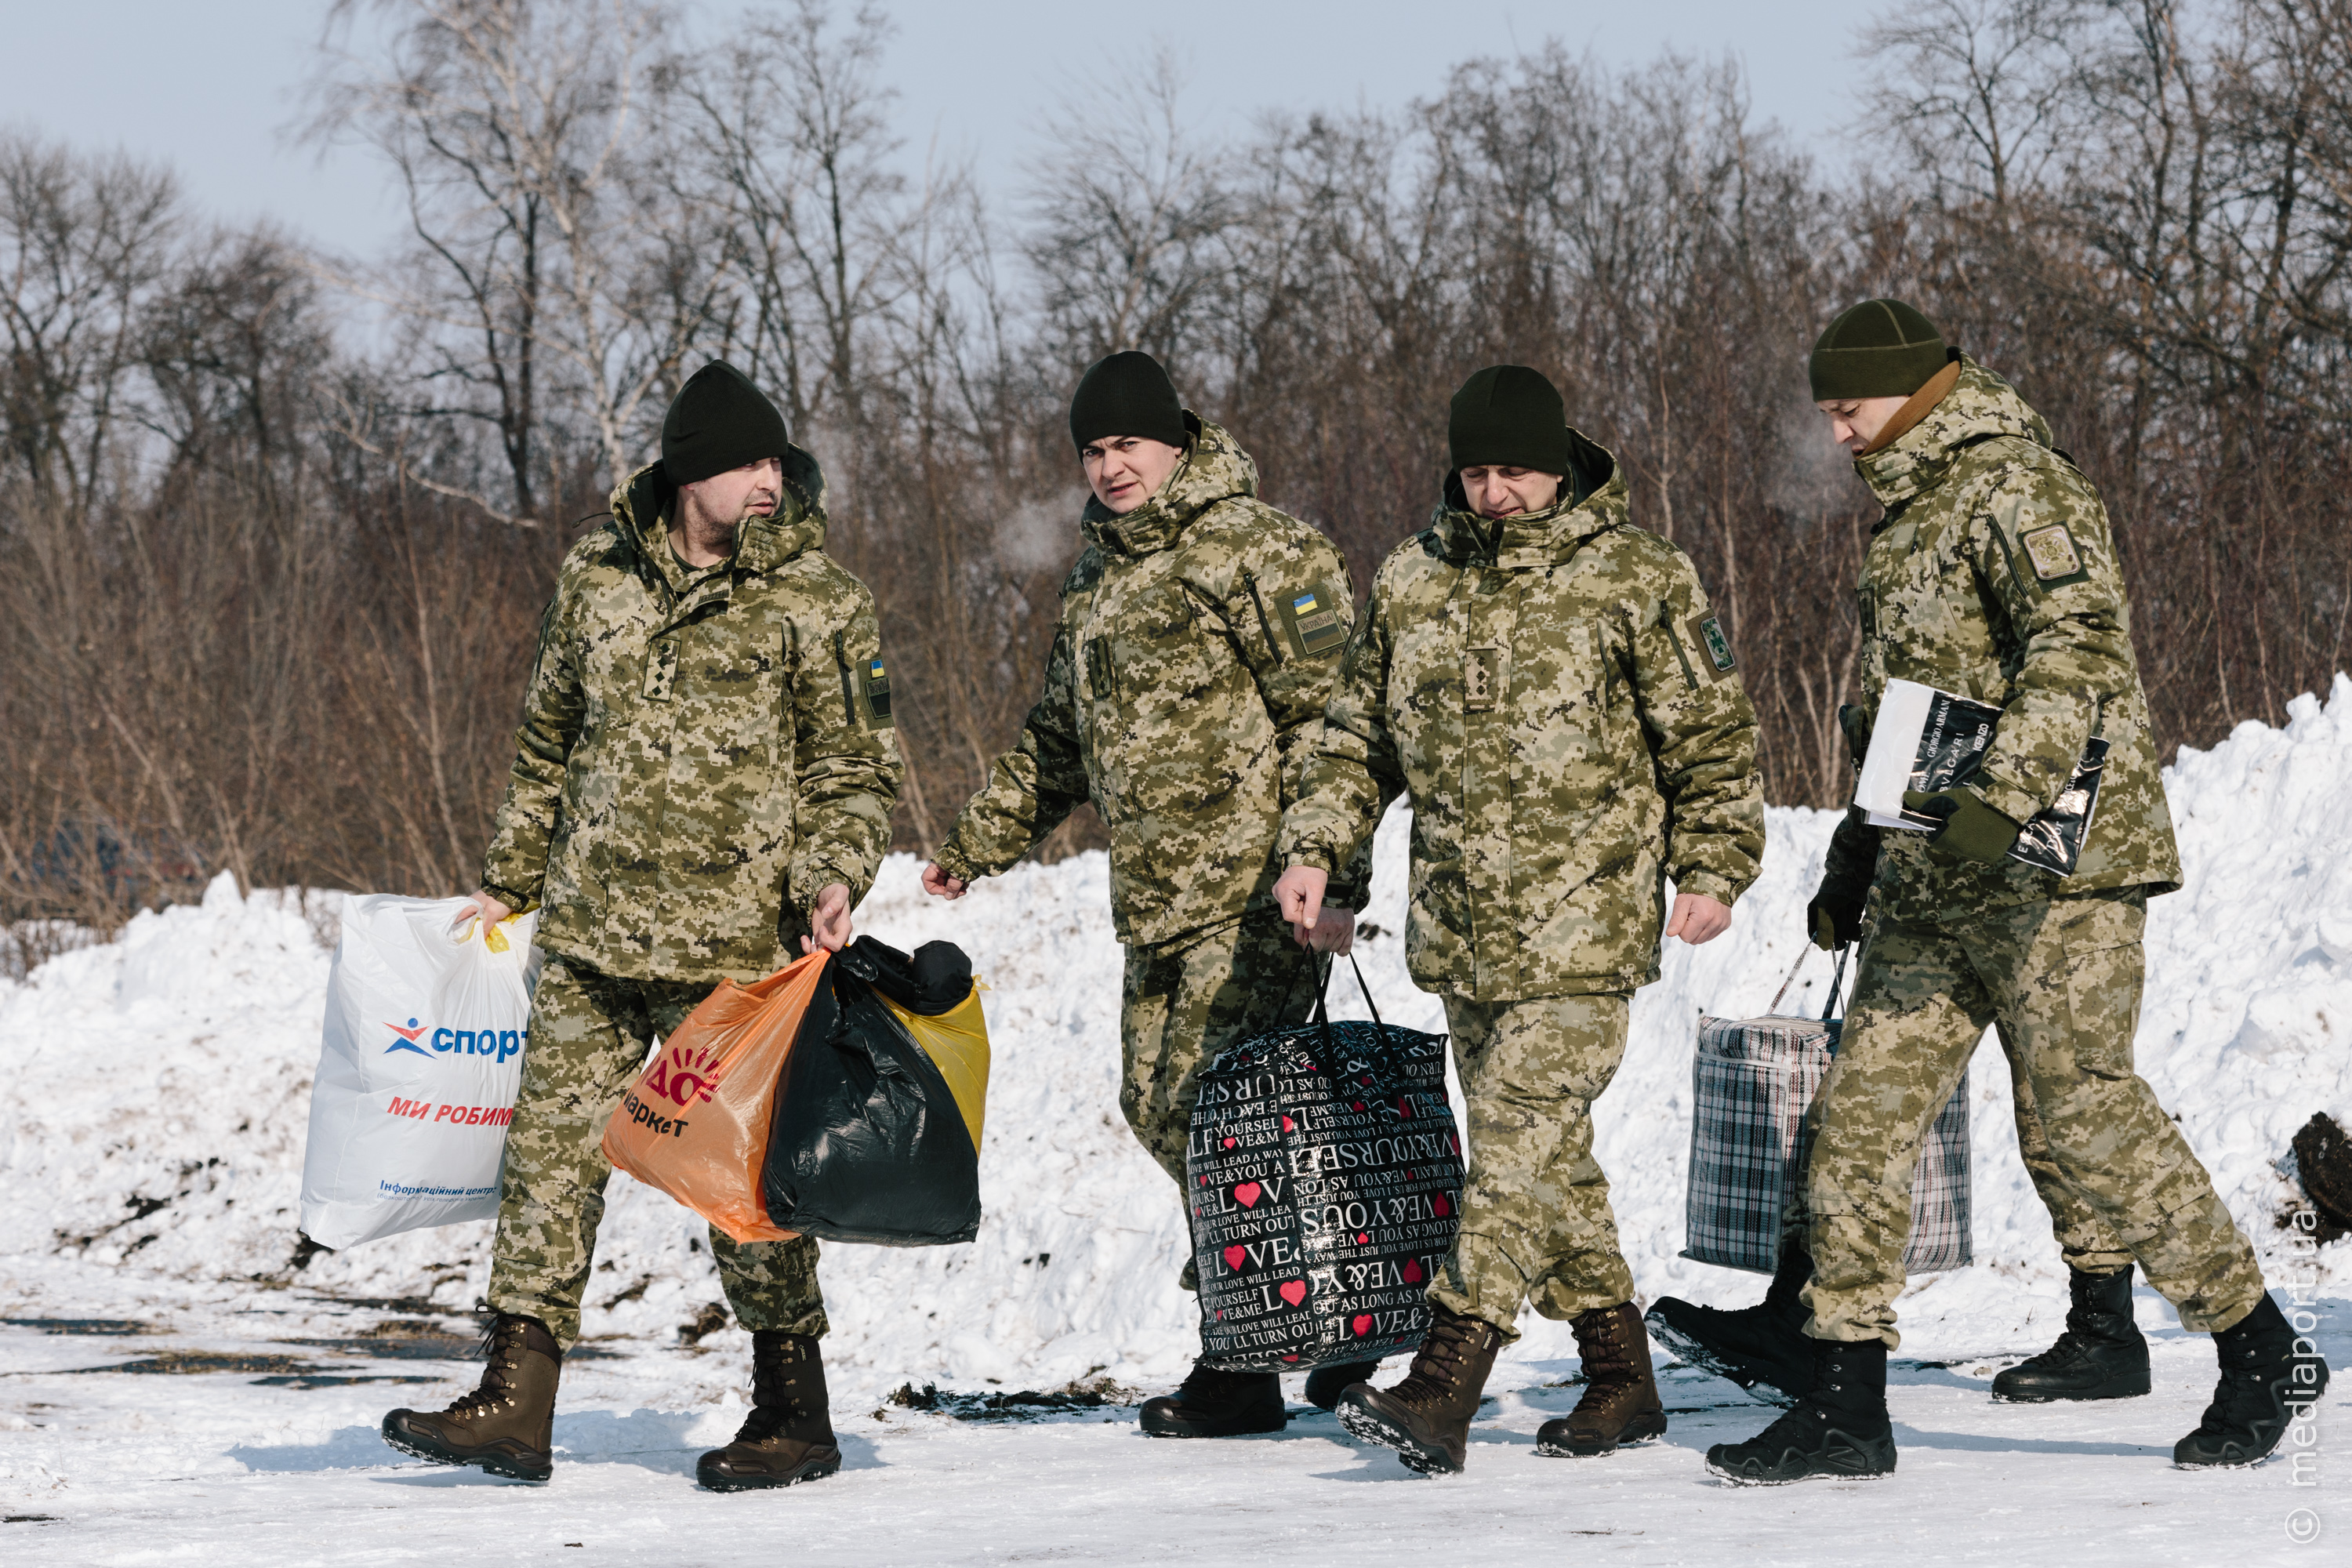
point(869, 1142)
point(1326, 1176)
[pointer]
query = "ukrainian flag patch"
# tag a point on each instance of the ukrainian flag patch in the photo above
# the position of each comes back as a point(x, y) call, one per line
point(1315, 627)
point(878, 689)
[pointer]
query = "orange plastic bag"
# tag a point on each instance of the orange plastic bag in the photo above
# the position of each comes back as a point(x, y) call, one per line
point(695, 1123)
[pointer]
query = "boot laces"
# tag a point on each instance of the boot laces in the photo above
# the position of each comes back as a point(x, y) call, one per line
point(501, 1346)
point(1437, 1365)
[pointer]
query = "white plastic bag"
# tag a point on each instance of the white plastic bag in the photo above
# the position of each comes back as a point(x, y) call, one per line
point(417, 1072)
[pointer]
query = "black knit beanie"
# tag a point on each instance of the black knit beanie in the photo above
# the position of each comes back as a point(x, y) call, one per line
point(1880, 348)
point(1509, 416)
point(1126, 394)
point(718, 421)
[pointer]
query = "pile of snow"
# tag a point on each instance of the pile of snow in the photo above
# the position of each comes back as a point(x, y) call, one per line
point(159, 1086)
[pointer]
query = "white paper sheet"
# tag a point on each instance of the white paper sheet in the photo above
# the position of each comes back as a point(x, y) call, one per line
point(1894, 751)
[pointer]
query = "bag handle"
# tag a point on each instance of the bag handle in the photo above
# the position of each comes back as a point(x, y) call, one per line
point(1837, 979)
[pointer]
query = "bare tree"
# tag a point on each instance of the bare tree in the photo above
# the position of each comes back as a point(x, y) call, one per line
point(1981, 92)
point(550, 270)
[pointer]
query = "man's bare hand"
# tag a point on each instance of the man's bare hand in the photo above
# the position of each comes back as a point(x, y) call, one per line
point(1334, 932)
point(829, 922)
point(1299, 896)
point(484, 908)
point(940, 885)
point(1698, 918)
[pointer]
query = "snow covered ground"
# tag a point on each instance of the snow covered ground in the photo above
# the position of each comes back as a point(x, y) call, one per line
point(178, 1382)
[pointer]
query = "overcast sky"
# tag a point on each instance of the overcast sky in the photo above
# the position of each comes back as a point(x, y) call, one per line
point(211, 87)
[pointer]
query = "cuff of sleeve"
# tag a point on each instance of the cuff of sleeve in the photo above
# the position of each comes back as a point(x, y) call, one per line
point(1708, 884)
point(2005, 798)
point(517, 902)
point(948, 859)
point(814, 876)
point(1317, 856)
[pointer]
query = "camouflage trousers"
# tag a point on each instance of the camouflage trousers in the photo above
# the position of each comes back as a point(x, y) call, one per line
point(1536, 1221)
point(589, 1036)
point(1183, 1002)
point(2061, 982)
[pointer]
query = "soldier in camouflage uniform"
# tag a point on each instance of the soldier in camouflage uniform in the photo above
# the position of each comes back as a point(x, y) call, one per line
point(1993, 575)
point(703, 784)
point(1549, 684)
point(1195, 648)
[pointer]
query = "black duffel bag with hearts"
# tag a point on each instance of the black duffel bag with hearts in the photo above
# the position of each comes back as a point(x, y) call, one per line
point(1325, 1172)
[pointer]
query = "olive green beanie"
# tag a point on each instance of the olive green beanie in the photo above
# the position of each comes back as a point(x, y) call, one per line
point(1880, 348)
point(1509, 416)
point(718, 421)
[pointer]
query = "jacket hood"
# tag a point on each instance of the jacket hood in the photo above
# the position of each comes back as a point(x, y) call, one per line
point(644, 498)
point(1595, 499)
point(1214, 469)
point(1979, 406)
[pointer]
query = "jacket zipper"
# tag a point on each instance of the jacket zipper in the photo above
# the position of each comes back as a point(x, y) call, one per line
point(849, 682)
point(1273, 643)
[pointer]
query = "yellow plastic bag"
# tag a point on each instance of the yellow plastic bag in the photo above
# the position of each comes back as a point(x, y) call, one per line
point(957, 1043)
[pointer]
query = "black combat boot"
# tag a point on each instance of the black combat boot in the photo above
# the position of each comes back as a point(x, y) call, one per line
point(507, 1425)
point(1763, 1348)
point(787, 1438)
point(2270, 1379)
point(1426, 1418)
point(1326, 1384)
point(1213, 1404)
point(2100, 1354)
point(1838, 1430)
point(1621, 1404)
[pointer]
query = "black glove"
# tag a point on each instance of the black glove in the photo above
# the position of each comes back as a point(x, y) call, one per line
point(1856, 725)
point(1972, 831)
point(1834, 920)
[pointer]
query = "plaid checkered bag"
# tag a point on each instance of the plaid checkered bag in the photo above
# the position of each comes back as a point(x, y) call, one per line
point(1751, 1081)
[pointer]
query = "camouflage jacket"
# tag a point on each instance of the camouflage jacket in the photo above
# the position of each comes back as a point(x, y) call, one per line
point(1196, 644)
point(1993, 575)
point(1557, 698)
point(702, 751)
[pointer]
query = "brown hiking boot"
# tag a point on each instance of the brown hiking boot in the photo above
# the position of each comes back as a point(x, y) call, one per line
point(1621, 1394)
point(788, 1436)
point(508, 1424)
point(1426, 1418)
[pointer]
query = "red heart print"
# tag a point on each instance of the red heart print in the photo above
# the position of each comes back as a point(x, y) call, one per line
point(1360, 1105)
point(1290, 1358)
point(1363, 1238)
point(1233, 1256)
point(1288, 1124)
point(1363, 1325)
point(1439, 1206)
point(1404, 1107)
point(1411, 1273)
point(1247, 1193)
point(1293, 1291)
point(1231, 1141)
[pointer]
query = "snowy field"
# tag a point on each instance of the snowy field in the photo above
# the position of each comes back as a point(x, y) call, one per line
point(178, 1383)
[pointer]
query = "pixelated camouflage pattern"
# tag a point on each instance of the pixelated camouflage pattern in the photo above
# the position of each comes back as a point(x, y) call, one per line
point(703, 751)
point(589, 1036)
point(1555, 694)
point(1994, 574)
point(1184, 686)
point(1536, 1221)
point(1181, 1003)
point(2060, 980)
